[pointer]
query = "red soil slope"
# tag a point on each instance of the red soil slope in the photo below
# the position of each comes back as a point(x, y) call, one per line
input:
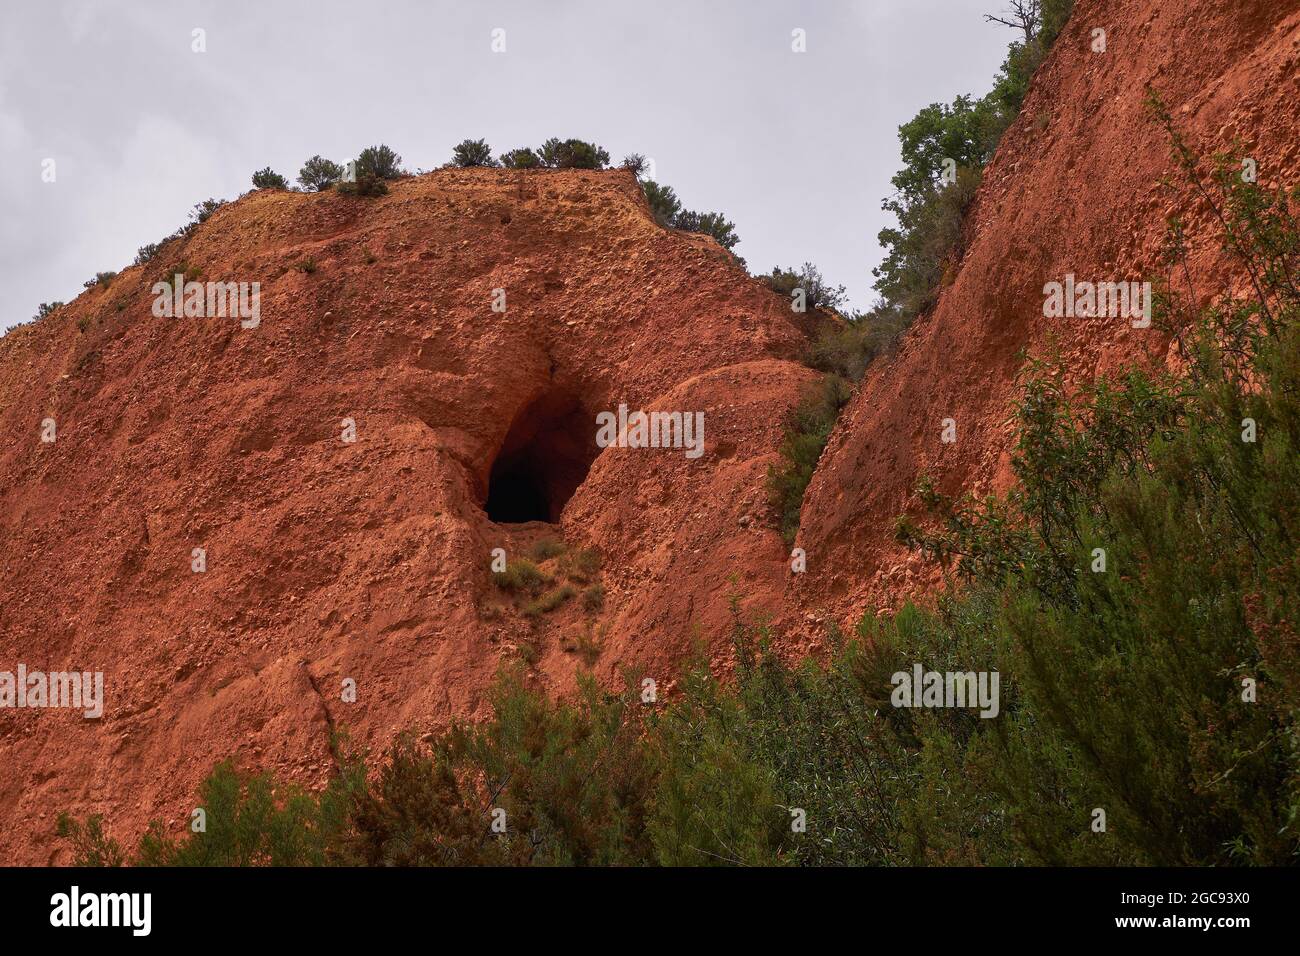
point(1074, 188)
point(329, 560)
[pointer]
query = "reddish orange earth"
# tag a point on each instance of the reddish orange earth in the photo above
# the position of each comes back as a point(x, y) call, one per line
point(331, 561)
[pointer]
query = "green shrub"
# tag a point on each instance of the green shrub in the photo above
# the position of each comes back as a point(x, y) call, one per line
point(715, 803)
point(200, 214)
point(90, 845)
point(664, 203)
point(710, 224)
point(926, 246)
point(548, 602)
point(522, 158)
point(472, 152)
point(572, 154)
point(847, 346)
point(203, 211)
point(807, 429)
point(248, 821)
point(668, 212)
point(593, 598)
point(46, 308)
point(817, 292)
point(584, 565)
point(319, 173)
point(958, 138)
point(101, 279)
point(1130, 676)
point(379, 162)
point(636, 164)
point(521, 575)
point(269, 179)
point(365, 185)
point(588, 561)
point(419, 812)
point(572, 779)
point(547, 548)
point(587, 645)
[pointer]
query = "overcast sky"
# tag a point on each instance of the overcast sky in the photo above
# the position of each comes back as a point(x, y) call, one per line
point(796, 149)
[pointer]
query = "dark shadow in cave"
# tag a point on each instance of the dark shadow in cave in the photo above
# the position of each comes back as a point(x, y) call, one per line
point(545, 457)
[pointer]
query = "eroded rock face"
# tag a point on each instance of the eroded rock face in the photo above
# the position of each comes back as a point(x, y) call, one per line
point(1074, 189)
point(329, 560)
point(368, 561)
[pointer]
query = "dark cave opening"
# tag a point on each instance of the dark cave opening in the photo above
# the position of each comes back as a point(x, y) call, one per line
point(545, 457)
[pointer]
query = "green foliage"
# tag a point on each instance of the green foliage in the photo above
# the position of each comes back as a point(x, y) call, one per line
point(269, 179)
point(472, 152)
point(547, 548)
point(714, 804)
point(550, 562)
point(572, 779)
point(668, 212)
point(593, 598)
point(1131, 676)
point(710, 224)
point(587, 645)
point(521, 575)
point(815, 742)
point(817, 292)
point(90, 845)
point(572, 154)
point(664, 203)
point(522, 158)
point(365, 185)
point(46, 308)
point(200, 214)
point(945, 148)
point(251, 822)
point(101, 279)
point(248, 821)
point(319, 173)
point(583, 565)
point(847, 346)
point(1023, 59)
point(419, 812)
point(636, 164)
point(807, 429)
point(925, 248)
point(550, 601)
point(379, 162)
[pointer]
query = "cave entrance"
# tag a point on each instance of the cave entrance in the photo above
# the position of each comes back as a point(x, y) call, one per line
point(545, 457)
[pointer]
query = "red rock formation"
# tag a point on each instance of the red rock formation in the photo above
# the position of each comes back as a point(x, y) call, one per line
point(329, 560)
point(1074, 188)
